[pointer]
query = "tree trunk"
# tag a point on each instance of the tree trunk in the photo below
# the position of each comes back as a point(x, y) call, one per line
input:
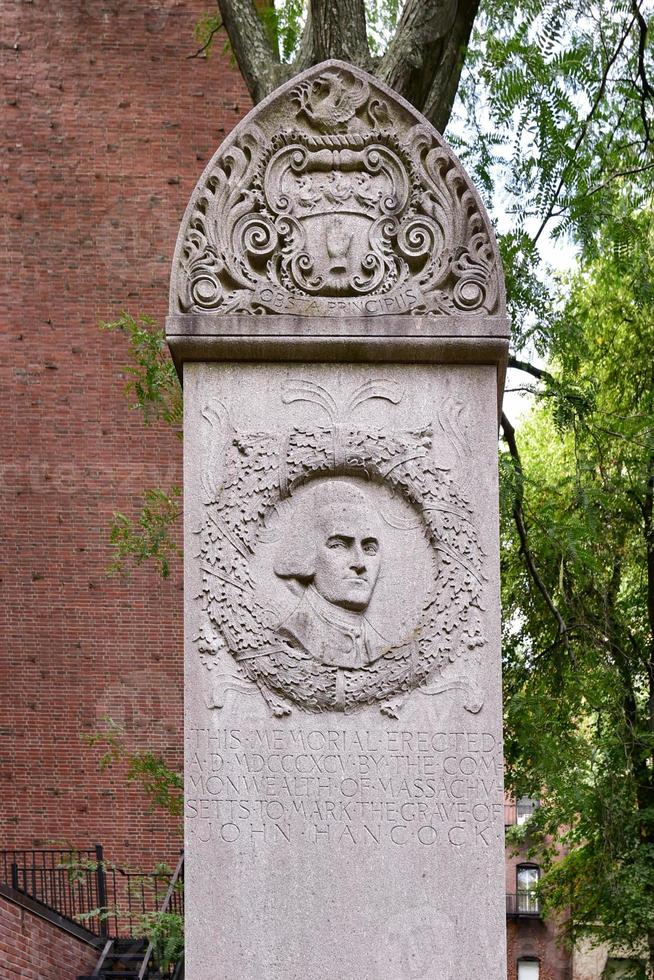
point(338, 30)
point(257, 60)
point(425, 58)
point(423, 61)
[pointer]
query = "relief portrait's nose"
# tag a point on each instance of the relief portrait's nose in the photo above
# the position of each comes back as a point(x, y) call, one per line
point(357, 559)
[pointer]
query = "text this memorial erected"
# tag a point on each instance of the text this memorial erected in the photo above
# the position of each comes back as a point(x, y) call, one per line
point(337, 314)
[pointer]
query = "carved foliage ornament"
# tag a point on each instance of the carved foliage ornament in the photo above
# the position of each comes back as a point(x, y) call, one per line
point(307, 493)
point(354, 205)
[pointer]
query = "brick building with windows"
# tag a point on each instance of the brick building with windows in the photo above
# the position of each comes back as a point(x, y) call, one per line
point(109, 120)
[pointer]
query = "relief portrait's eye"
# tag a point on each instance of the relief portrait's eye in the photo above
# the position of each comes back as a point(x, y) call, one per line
point(371, 547)
point(336, 543)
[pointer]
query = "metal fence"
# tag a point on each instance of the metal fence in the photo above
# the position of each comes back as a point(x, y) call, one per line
point(173, 903)
point(79, 885)
point(132, 897)
point(71, 882)
point(522, 903)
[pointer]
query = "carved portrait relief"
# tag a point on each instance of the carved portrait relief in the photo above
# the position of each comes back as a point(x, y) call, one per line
point(332, 558)
point(340, 566)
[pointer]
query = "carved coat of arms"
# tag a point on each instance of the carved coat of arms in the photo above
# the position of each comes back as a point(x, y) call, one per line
point(348, 211)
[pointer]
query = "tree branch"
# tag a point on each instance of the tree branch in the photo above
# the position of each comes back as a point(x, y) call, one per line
point(257, 60)
point(207, 43)
point(518, 516)
point(423, 61)
point(645, 91)
point(535, 372)
point(585, 126)
point(304, 57)
point(628, 172)
point(438, 105)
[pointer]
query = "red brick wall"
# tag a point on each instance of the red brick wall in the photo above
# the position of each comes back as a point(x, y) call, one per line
point(536, 938)
point(107, 126)
point(33, 949)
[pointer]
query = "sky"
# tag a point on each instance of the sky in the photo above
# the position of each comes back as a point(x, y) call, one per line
point(560, 256)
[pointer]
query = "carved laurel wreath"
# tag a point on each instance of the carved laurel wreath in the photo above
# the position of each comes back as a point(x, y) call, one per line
point(249, 237)
point(261, 470)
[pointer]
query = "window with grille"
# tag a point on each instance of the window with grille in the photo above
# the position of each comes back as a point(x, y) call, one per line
point(527, 876)
point(524, 808)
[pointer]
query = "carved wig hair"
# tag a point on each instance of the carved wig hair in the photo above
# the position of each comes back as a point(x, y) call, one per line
point(296, 555)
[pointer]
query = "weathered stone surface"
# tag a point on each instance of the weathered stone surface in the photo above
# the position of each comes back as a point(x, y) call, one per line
point(344, 780)
point(335, 198)
point(344, 805)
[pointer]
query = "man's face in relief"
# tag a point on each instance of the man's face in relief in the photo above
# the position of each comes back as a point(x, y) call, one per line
point(347, 554)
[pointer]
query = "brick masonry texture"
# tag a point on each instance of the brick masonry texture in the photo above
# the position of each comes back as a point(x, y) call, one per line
point(107, 126)
point(535, 938)
point(33, 949)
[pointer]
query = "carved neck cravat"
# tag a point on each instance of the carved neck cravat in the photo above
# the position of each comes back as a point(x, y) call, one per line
point(346, 619)
point(334, 636)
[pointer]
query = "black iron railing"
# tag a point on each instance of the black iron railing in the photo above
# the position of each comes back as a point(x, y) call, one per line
point(82, 887)
point(173, 904)
point(71, 882)
point(524, 903)
point(133, 897)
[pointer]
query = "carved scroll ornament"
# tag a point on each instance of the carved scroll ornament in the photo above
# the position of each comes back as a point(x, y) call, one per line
point(355, 205)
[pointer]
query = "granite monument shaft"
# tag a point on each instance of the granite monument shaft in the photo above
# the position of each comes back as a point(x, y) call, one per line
point(337, 315)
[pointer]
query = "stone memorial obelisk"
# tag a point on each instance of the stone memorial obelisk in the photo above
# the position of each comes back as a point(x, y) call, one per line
point(338, 317)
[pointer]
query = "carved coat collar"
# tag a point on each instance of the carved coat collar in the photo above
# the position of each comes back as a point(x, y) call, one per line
point(334, 636)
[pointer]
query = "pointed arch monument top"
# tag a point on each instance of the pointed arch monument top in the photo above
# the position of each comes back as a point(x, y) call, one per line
point(335, 197)
point(335, 210)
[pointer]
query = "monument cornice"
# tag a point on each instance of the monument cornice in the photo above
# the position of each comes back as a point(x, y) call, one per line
point(380, 339)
